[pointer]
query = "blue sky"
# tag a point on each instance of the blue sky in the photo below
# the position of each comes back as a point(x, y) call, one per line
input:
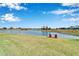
point(36, 15)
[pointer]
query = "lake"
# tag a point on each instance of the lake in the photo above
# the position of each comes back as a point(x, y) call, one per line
point(39, 33)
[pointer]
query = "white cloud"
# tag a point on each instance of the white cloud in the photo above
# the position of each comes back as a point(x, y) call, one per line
point(67, 4)
point(9, 17)
point(66, 11)
point(71, 4)
point(71, 19)
point(62, 11)
point(11, 6)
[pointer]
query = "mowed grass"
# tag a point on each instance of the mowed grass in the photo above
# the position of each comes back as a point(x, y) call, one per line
point(26, 45)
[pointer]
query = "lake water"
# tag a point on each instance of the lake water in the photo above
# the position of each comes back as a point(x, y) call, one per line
point(39, 33)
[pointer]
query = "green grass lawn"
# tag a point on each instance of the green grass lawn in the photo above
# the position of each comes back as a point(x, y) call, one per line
point(26, 45)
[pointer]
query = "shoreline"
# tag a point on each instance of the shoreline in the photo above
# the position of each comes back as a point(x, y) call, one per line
point(74, 34)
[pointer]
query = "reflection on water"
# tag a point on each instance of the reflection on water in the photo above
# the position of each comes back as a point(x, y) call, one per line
point(45, 33)
point(39, 33)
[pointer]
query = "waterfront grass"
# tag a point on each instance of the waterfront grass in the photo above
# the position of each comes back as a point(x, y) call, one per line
point(27, 45)
point(65, 31)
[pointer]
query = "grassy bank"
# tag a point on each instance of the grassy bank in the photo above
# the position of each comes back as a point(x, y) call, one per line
point(25, 45)
point(67, 31)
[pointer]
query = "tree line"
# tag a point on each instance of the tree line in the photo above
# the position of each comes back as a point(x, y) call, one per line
point(19, 28)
